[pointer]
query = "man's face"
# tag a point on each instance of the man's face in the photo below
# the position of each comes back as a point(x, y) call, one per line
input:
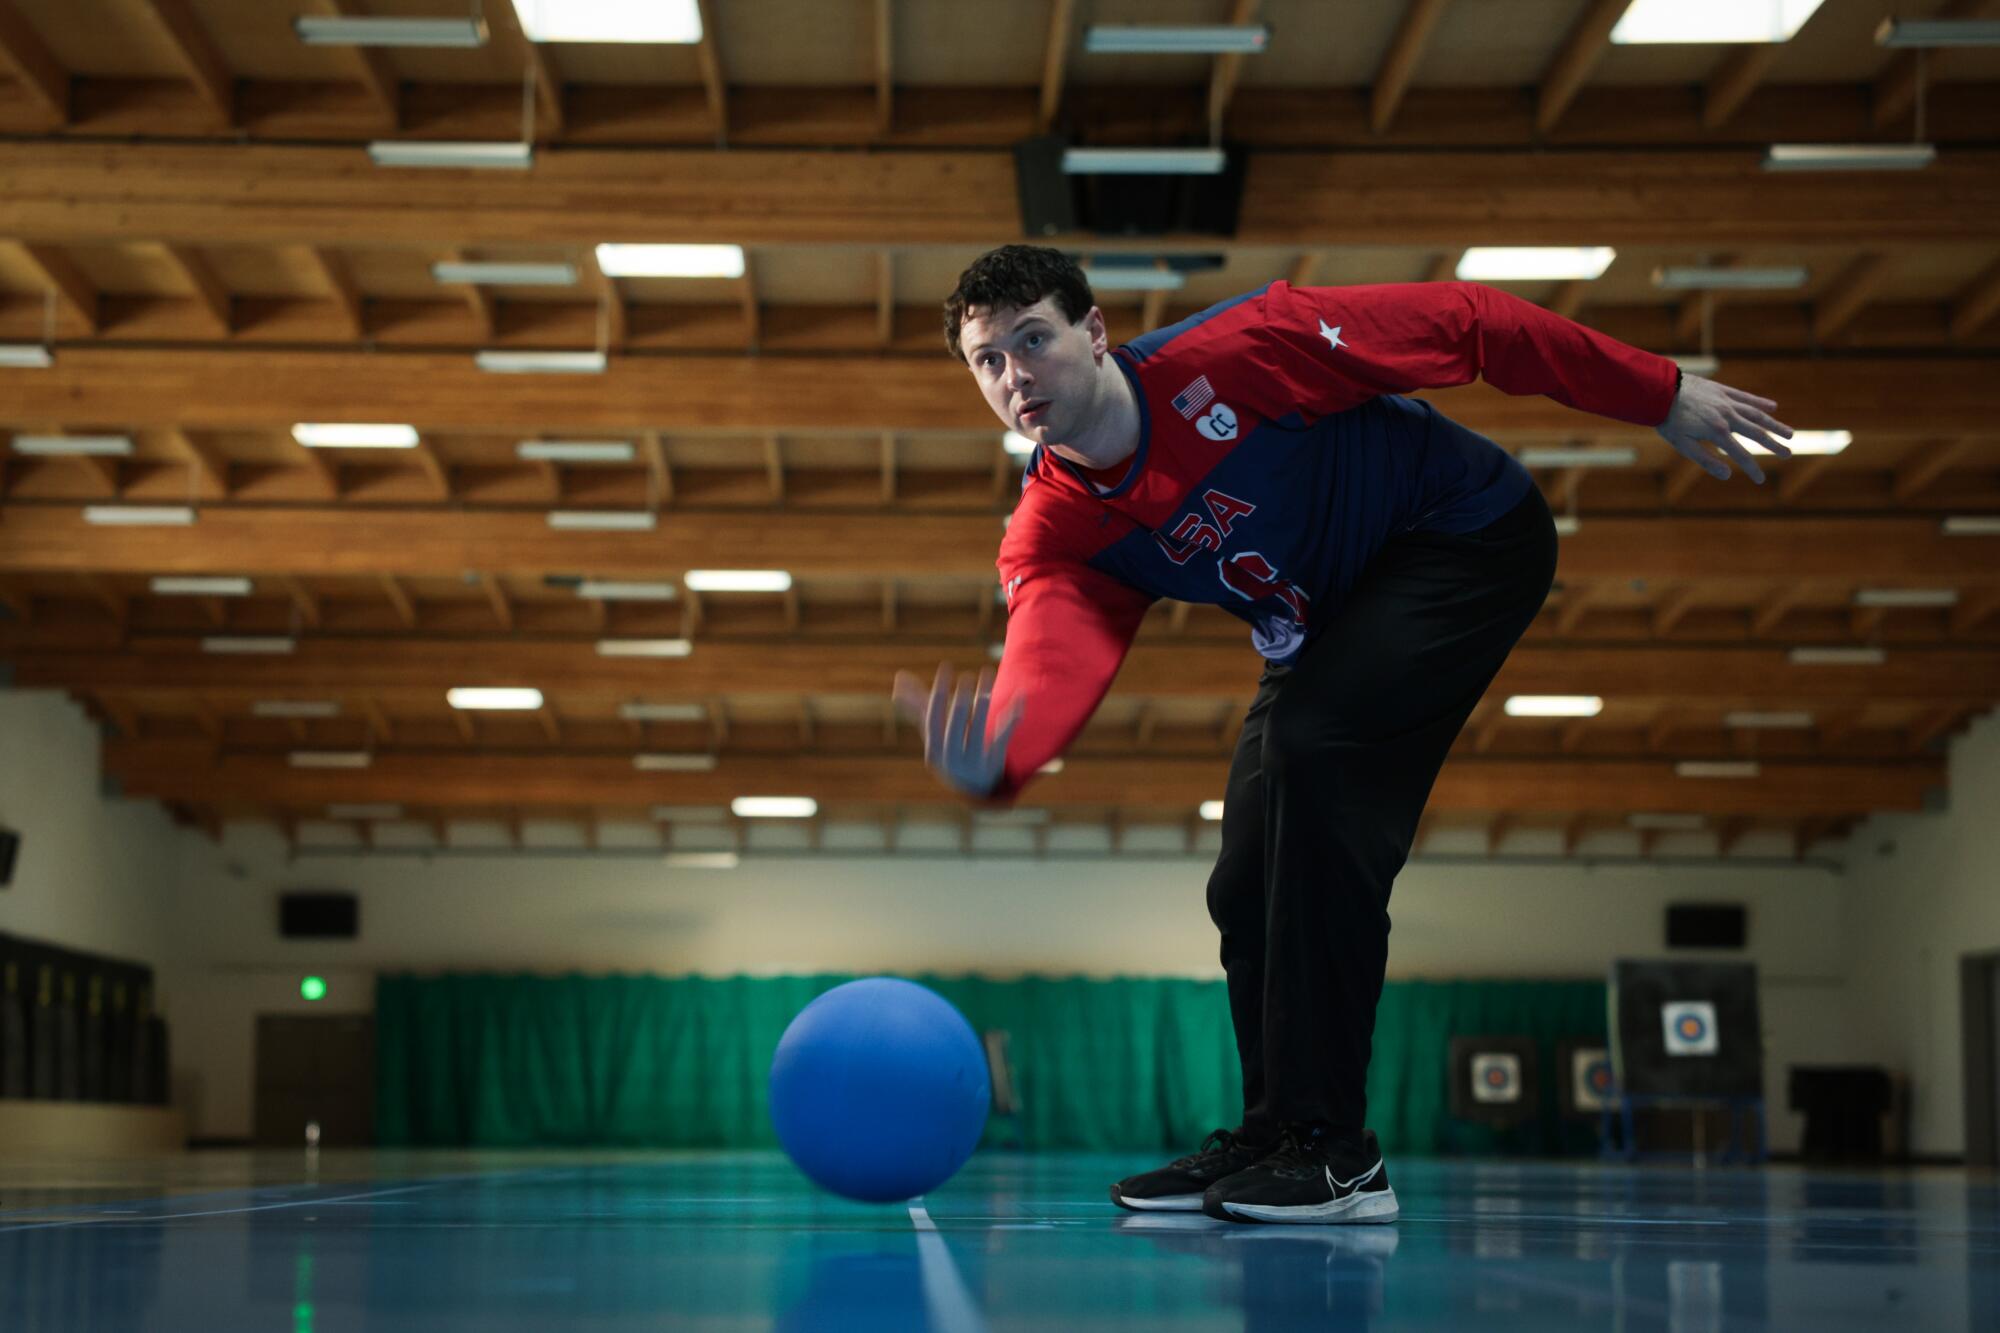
point(1037, 370)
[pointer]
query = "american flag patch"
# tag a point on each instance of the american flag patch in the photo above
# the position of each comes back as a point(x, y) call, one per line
point(1195, 397)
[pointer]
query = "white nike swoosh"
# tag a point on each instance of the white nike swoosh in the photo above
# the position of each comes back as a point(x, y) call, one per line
point(1340, 1187)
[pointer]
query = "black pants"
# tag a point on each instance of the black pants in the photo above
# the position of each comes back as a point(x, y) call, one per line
point(1335, 763)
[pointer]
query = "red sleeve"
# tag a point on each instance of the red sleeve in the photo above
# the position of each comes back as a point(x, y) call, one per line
point(1068, 629)
point(1400, 337)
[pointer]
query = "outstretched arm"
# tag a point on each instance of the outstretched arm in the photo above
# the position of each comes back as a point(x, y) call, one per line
point(1336, 347)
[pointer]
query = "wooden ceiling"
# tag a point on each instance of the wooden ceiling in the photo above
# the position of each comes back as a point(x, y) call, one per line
point(182, 183)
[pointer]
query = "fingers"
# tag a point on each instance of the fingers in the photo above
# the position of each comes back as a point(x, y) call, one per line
point(909, 696)
point(1695, 450)
point(934, 711)
point(1751, 399)
point(954, 730)
point(1734, 448)
point(1760, 437)
point(982, 699)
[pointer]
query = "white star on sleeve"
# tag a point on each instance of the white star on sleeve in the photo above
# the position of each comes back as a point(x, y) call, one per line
point(1332, 335)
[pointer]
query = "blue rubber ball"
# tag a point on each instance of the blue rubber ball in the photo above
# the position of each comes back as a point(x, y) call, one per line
point(879, 1090)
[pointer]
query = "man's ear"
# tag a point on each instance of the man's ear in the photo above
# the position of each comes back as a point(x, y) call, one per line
point(1100, 340)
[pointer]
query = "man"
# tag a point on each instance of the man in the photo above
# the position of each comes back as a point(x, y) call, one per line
point(1256, 457)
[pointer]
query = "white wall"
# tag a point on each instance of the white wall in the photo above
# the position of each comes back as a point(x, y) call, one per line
point(94, 873)
point(1927, 893)
point(772, 914)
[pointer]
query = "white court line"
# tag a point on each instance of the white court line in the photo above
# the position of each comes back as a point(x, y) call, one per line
point(946, 1298)
point(222, 1212)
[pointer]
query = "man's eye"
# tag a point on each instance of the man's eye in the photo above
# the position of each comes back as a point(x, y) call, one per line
point(1034, 339)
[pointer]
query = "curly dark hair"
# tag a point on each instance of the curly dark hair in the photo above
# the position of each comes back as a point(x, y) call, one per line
point(1015, 276)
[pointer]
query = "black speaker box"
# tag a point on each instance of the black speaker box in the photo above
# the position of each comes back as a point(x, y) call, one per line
point(1706, 926)
point(10, 847)
point(1686, 1029)
point(319, 916)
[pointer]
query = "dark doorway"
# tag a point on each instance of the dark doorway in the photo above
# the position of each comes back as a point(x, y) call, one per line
point(315, 1080)
point(1979, 1012)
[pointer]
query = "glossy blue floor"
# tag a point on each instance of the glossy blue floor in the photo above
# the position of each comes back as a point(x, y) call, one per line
point(439, 1241)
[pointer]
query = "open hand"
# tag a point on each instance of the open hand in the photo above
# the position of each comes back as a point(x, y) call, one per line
point(1705, 412)
point(952, 717)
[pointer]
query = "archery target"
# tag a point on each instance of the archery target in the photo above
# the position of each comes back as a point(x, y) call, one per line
point(1690, 1027)
point(1496, 1077)
point(1590, 1078)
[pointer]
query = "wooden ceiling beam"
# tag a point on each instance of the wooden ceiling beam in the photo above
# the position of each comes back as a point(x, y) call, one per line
point(1399, 62)
point(1976, 303)
point(209, 291)
point(264, 388)
point(1585, 45)
point(1928, 462)
point(505, 24)
point(714, 84)
point(339, 280)
point(1163, 667)
point(378, 78)
point(341, 539)
point(1897, 89)
point(24, 53)
point(1734, 80)
point(1055, 56)
point(885, 67)
point(1228, 70)
point(74, 292)
point(1848, 293)
point(213, 465)
point(207, 71)
point(182, 770)
point(333, 196)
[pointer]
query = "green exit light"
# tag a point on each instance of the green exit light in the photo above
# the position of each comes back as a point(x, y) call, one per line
point(313, 988)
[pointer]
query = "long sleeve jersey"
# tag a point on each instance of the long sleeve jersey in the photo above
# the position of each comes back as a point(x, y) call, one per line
point(1275, 458)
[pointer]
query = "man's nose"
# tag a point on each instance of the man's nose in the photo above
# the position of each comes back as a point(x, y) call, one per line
point(1018, 376)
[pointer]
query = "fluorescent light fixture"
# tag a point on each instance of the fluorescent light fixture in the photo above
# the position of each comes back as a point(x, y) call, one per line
point(1907, 33)
point(674, 763)
point(1579, 457)
point(478, 156)
point(330, 758)
point(295, 708)
point(1704, 21)
point(365, 810)
point(644, 647)
point(314, 30)
point(1693, 279)
point(1723, 768)
point(1836, 657)
point(540, 363)
point(1021, 817)
point(602, 520)
point(670, 261)
point(1211, 811)
point(638, 712)
point(628, 592)
point(241, 645)
point(692, 814)
point(658, 21)
point(495, 699)
point(354, 435)
point(703, 860)
point(575, 451)
point(139, 516)
point(1972, 525)
point(1810, 442)
point(1554, 705)
point(1849, 156)
point(1135, 279)
point(1534, 263)
point(1754, 721)
point(1906, 597)
point(994, 650)
point(74, 446)
point(1667, 823)
point(737, 580)
point(1123, 39)
point(1053, 766)
point(1017, 444)
point(774, 807)
point(1568, 525)
point(1144, 161)
point(506, 275)
point(26, 356)
point(201, 587)
point(1697, 365)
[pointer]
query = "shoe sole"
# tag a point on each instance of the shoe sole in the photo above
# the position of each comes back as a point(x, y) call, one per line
point(1165, 1203)
point(1377, 1207)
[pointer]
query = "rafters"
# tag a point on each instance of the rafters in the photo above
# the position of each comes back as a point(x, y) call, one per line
point(1847, 294)
point(198, 56)
point(1976, 303)
point(1399, 63)
point(72, 288)
point(1228, 69)
point(885, 67)
point(339, 280)
point(1055, 56)
point(371, 67)
point(25, 55)
point(209, 291)
point(715, 87)
point(1734, 80)
point(1579, 53)
point(1896, 91)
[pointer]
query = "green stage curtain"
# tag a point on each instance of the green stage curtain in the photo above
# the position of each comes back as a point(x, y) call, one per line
point(680, 1062)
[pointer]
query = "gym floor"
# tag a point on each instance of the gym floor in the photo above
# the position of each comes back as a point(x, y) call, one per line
point(492, 1241)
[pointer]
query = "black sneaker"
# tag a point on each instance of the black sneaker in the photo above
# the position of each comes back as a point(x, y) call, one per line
point(1177, 1187)
point(1311, 1177)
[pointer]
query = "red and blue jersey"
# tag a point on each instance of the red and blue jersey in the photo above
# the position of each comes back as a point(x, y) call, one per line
point(1275, 458)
